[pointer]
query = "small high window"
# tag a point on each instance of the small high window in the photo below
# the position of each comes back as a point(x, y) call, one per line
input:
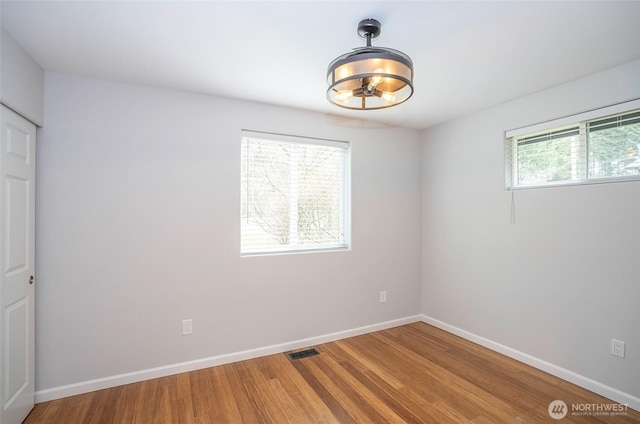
point(295, 194)
point(597, 146)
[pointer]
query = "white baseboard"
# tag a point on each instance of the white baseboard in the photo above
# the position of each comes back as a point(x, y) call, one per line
point(134, 377)
point(570, 376)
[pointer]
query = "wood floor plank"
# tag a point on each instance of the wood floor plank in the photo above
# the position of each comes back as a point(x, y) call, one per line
point(410, 374)
point(220, 405)
point(374, 365)
point(99, 409)
point(203, 402)
point(278, 368)
point(184, 400)
point(363, 395)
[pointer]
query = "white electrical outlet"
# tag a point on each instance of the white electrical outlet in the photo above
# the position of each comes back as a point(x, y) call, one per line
point(617, 348)
point(383, 296)
point(187, 326)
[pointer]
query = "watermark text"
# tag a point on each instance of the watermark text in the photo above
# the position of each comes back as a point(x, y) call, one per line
point(558, 409)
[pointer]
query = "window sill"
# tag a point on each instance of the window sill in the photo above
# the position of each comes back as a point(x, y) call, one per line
point(605, 180)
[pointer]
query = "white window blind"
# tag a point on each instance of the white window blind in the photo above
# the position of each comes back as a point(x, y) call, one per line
point(295, 194)
point(596, 146)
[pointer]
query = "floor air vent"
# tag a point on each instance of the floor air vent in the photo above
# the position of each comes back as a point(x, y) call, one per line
point(303, 353)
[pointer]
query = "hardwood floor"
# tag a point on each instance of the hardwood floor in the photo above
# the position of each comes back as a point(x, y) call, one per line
point(410, 374)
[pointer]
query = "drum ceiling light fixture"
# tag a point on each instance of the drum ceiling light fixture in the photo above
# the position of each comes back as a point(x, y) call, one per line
point(370, 77)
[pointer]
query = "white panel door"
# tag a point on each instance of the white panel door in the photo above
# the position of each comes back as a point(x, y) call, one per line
point(17, 221)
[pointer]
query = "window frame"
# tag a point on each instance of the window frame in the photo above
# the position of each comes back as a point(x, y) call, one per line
point(578, 120)
point(345, 198)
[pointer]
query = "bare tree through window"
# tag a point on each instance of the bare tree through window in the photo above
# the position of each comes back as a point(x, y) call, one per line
point(293, 195)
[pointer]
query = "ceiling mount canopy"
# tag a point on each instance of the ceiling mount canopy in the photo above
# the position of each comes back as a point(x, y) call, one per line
point(370, 77)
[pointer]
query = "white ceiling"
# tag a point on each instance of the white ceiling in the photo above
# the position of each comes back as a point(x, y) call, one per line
point(467, 55)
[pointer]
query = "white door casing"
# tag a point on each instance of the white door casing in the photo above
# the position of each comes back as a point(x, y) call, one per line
point(17, 288)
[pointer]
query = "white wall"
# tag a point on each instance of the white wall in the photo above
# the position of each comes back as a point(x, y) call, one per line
point(21, 80)
point(138, 228)
point(563, 280)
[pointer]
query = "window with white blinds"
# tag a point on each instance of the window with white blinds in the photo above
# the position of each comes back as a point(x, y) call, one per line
point(295, 194)
point(597, 146)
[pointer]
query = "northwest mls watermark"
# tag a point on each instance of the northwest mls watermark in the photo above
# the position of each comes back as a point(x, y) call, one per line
point(558, 409)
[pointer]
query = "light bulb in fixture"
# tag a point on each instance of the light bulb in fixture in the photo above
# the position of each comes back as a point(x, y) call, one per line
point(377, 79)
point(344, 96)
point(388, 97)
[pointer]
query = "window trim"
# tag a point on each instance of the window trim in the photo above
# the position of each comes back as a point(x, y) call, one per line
point(567, 121)
point(580, 120)
point(346, 196)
